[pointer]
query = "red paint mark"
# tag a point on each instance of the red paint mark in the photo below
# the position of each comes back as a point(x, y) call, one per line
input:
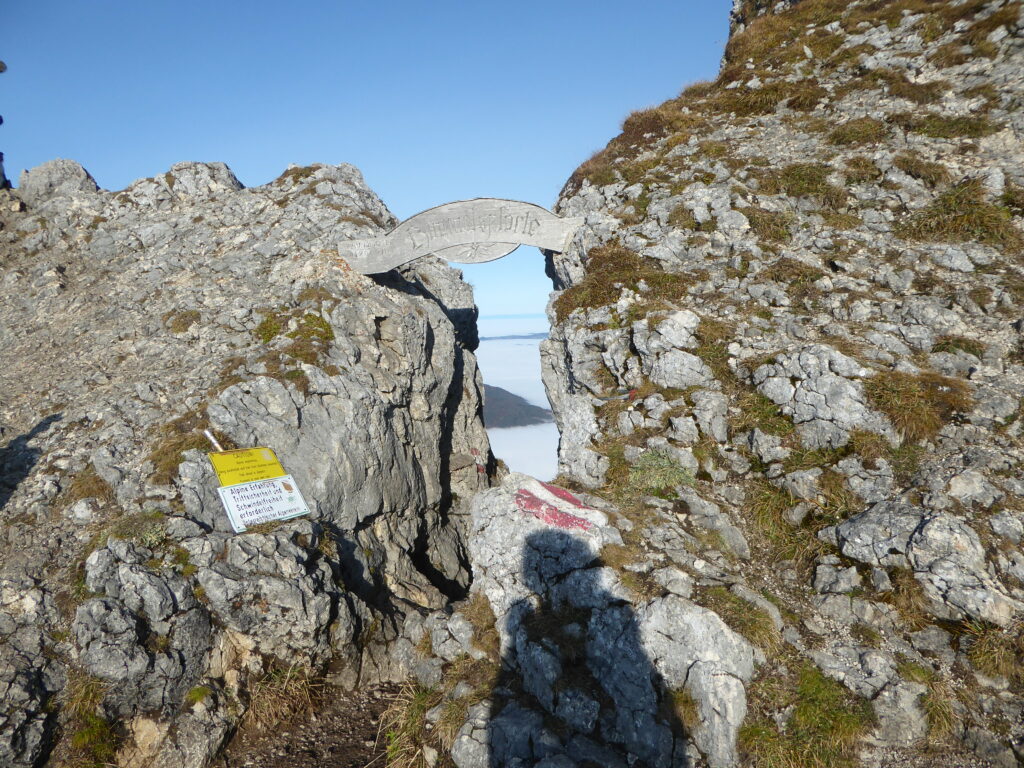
point(548, 513)
point(564, 495)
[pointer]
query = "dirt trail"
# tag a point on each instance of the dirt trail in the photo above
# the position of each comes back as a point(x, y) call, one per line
point(340, 733)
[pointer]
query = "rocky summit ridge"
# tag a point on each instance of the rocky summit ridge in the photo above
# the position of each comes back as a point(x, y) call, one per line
point(785, 362)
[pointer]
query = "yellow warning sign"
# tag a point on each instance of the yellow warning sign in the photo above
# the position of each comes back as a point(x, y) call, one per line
point(246, 466)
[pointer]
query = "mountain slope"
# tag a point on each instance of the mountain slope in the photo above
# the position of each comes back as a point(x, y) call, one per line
point(801, 285)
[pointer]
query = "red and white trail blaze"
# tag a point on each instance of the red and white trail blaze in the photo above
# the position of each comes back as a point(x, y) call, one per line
point(549, 513)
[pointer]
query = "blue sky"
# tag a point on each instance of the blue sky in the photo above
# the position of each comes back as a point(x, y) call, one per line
point(433, 101)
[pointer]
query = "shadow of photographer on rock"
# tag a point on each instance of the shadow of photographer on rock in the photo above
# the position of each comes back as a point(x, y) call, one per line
point(576, 686)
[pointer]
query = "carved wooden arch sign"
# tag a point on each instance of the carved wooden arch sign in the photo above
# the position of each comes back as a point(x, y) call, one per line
point(467, 232)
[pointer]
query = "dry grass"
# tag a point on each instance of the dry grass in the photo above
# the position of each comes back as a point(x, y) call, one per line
point(994, 651)
point(961, 214)
point(86, 484)
point(860, 170)
point(912, 164)
point(748, 620)
point(757, 411)
point(944, 127)
point(657, 121)
point(403, 726)
point(610, 268)
point(908, 598)
point(746, 102)
point(281, 694)
point(937, 700)
point(871, 447)
point(182, 434)
point(806, 95)
point(180, 321)
point(950, 54)
point(93, 741)
point(1013, 199)
point(950, 343)
point(899, 86)
point(478, 612)
point(860, 130)
point(782, 540)
point(769, 226)
point(918, 405)
point(806, 180)
point(798, 277)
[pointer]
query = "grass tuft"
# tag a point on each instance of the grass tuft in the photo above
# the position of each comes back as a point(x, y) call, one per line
point(908, 598)
point(748, 620)
point(610, 268)
point(281, 694)
point(769, 226)
point(994, 651)
point(860, 170)
point(918, 405)
point(657, 473)
point(912, 164)
point(949, 343)
point(824, 728)
point(757, 411)
point(944, 127)
point(860, 130)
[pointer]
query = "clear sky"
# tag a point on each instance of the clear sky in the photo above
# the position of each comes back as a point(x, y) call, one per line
point(433, 101)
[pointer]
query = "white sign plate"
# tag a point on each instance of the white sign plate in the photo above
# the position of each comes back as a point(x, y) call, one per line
point(262, 501)
point(467, 231)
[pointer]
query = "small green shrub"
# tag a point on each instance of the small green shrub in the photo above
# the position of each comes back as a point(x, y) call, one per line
point(270, 327)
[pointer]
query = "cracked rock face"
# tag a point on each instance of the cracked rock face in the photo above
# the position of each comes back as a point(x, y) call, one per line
point(131, 321)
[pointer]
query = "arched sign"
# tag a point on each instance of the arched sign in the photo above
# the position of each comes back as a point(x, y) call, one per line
point(468, 232)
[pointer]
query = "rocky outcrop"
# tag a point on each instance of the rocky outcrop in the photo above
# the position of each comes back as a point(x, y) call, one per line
point(136, 625)
point(799, 286)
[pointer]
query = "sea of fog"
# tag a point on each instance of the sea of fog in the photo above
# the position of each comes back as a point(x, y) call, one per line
point(514, 364)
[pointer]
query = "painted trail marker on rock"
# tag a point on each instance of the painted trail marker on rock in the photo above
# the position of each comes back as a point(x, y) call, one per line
point(467, 232)
point(255, 488)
